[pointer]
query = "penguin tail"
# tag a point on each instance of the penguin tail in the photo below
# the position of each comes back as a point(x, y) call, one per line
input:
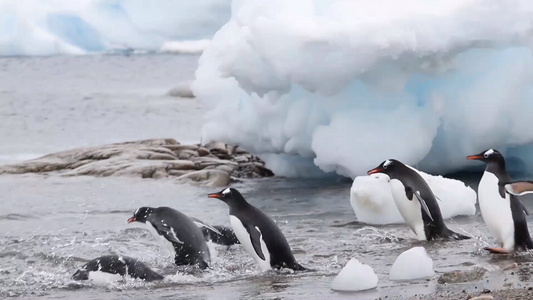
point(452, 235)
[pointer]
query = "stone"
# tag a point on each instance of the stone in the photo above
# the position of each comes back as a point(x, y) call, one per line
point(203, 151)
point(153, 158)
point(182, 90)
point(187, 154)
point(212, 178)
point(216, 146)
point(472, 274)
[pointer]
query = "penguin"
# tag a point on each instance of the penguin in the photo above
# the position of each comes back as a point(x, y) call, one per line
point(503, 213)
point(217, 234)
point(114, 264)
point(259, 234)
point(423, 214)
point(179, 230)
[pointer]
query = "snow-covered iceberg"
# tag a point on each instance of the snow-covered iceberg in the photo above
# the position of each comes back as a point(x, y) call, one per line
point(47, 27)
point(372, 201)
point(346, 84)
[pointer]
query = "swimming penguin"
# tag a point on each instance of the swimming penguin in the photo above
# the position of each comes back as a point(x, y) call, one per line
point(114, 264)
point(504, 214)
point(416, 202)
point(222, 235)
point(259, 234)
point(178, 229)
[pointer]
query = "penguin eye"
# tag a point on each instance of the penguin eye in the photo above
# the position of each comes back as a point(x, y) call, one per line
point(486, 155)
point(385, 166)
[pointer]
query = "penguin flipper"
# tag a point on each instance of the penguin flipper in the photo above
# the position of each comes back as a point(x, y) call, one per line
point(519, 188)
point(423, 204)
point(255, 238)
point(200, 224)
point(168, 232)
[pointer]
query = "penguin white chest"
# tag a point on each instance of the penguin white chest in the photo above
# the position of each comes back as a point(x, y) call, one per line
point(409, 209)
point(245, 239)
point(496, 211)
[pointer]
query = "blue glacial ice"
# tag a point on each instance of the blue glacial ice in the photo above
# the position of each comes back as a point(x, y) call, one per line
point(345, 84)
point(49, 27)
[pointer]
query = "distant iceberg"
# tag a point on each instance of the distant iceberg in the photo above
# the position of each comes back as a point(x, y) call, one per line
point(345, 84)
point(49, 27)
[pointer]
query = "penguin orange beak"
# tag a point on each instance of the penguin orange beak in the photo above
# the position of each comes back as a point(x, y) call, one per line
point(373, 171)
point(474, 157)
point(214, 195)
point(132, 219)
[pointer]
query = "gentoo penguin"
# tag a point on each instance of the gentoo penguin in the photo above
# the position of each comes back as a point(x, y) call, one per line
point(422, 215)
point(259, 235)
point(504, 214)
point(178, 229)
point(114, 264)
point(222, 235)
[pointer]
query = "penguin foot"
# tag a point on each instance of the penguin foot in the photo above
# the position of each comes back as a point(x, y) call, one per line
point(496, 250)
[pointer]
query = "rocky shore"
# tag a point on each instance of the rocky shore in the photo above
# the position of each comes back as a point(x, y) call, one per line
point(213, 164)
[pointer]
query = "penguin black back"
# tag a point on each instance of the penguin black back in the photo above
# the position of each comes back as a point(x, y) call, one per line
point(178, 229)
point(115, 264)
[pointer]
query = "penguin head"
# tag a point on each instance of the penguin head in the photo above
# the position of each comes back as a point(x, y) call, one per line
point(141, 214)
point(387, 167)
point(488, 156)
point(229, 195)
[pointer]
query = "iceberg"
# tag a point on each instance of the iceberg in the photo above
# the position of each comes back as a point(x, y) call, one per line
point(345, 84)
point(372, 199)
point(49, 27)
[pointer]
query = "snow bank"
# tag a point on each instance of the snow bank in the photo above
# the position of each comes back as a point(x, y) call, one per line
point(412, 264)
point(348, 83)
point(46, 27)
point(372, 199)
point(355, 276)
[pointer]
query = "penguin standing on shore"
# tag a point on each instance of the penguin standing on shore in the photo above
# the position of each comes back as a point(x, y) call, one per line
point(259, 234)
point(503, 213)
point(421, 214)
point(177, 229)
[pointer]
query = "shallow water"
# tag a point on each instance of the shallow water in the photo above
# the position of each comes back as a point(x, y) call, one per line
point(50, 225)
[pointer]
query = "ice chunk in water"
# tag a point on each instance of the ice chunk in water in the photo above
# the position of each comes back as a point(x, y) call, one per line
point(414, 263)
point(355, 276)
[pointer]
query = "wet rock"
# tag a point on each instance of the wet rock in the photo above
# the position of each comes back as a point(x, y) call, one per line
point(203, 151)
point(187, 154)
point(156, 158)
point(472, 274)
point(182, 90)
point(212, 178)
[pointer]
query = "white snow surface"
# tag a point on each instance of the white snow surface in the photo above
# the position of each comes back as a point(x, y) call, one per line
point(348, 83)
point(412, 264)
point(372, 199)
point(48, 27)
point(355, 276)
